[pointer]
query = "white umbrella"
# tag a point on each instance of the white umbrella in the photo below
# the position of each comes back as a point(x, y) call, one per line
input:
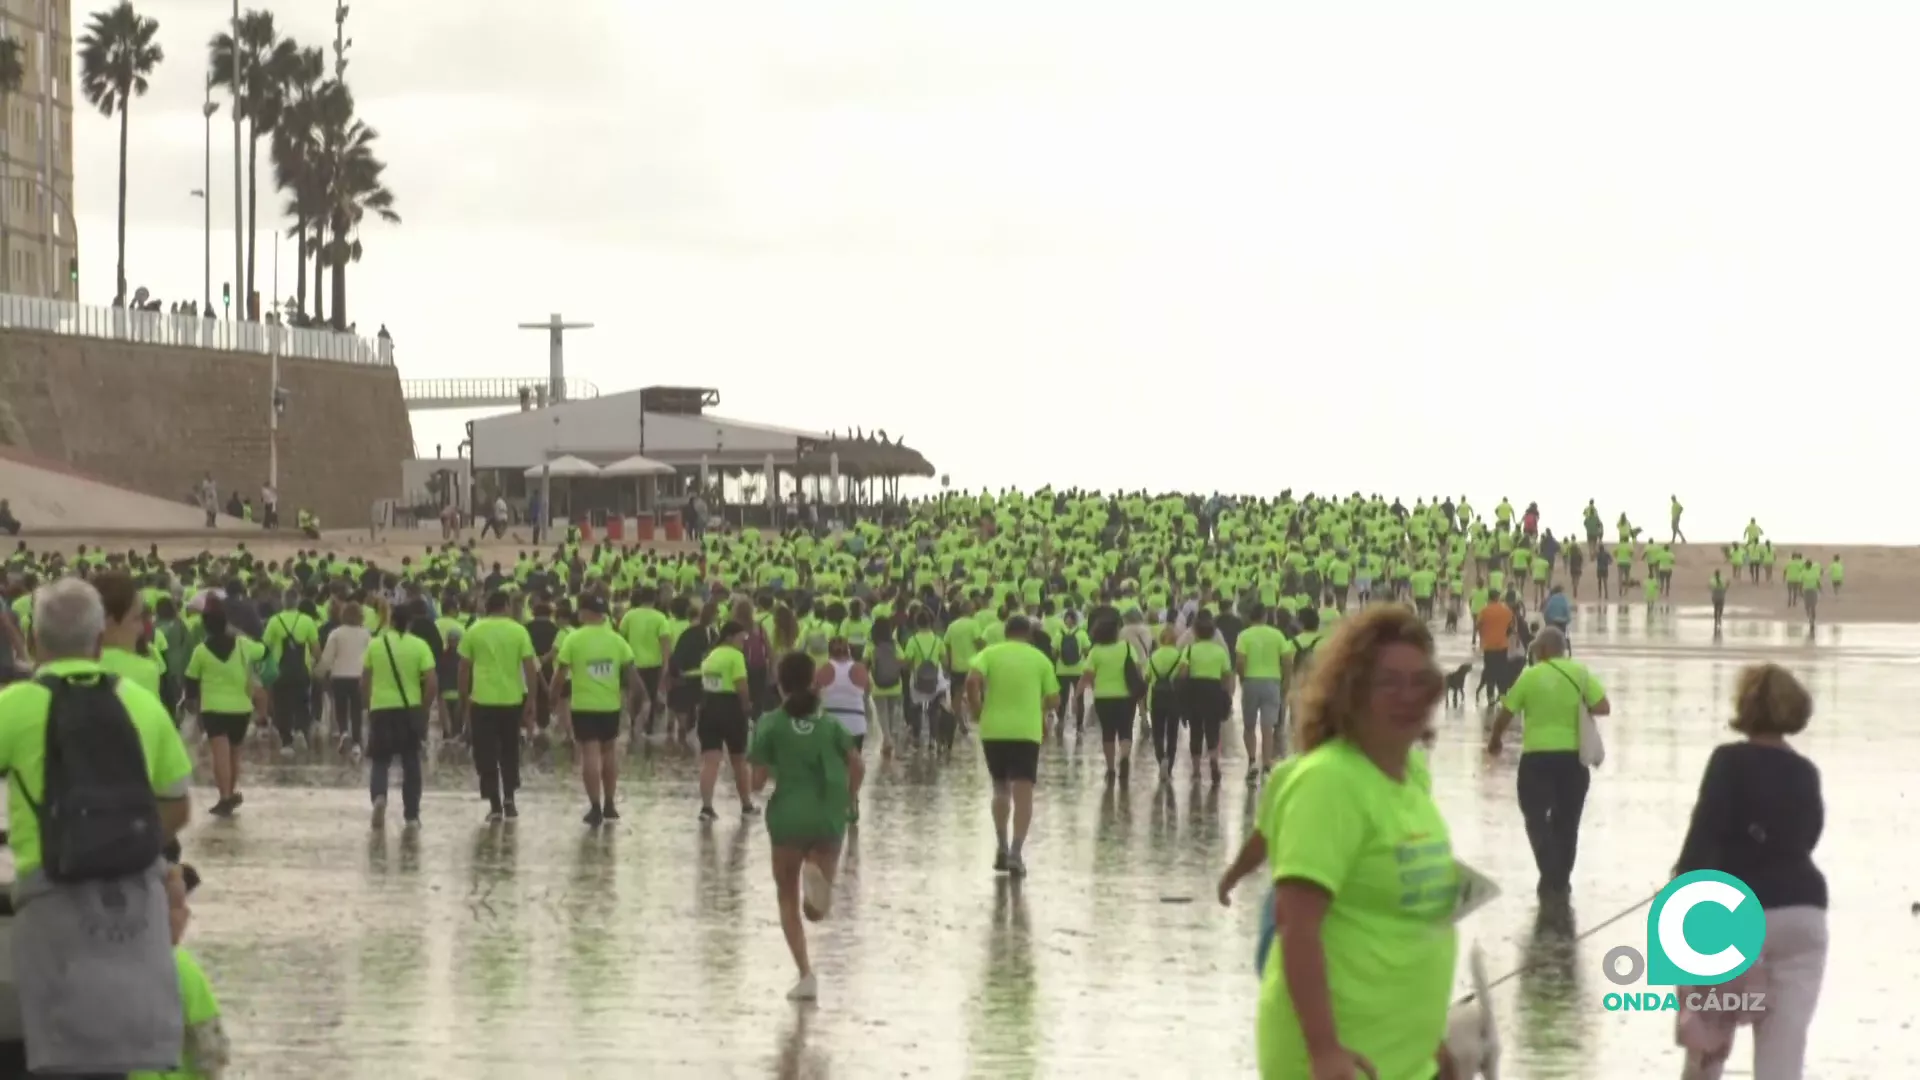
point(637, 466)
point(563, 466)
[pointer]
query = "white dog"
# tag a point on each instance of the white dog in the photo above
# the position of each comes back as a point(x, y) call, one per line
point(1473, 1041)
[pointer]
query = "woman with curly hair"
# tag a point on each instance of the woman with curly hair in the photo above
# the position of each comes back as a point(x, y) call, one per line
point(1357, 982)
point(1758, 818)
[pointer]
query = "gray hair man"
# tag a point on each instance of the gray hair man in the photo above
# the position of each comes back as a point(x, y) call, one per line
point(92, 946)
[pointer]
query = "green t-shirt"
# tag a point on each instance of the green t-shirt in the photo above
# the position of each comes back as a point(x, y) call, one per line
point(724, 669)
point(295, 626)
point(1382, 851)
point(594, 657)
point(1263, 648)
point(200, 1007)
point(643, 627)
point(1019, 678)
point(960, 638)
point(497, 647)
point(226, 685)
point(23, 751)
point(412, 658)
point(1109, 666)
point(807, 758)
point(1548, 695)
point(142, 670)
point(1208, 660)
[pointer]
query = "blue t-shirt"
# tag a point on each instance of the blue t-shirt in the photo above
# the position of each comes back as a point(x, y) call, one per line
point(1558, 609)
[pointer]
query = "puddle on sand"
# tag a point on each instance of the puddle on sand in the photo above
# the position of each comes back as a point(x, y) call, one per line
point(539, 950)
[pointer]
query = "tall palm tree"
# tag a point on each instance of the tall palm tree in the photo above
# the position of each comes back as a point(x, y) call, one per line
point(117, 55)
point(296, 142)
point(355, 188)
point(13, 73)
point(265, 58)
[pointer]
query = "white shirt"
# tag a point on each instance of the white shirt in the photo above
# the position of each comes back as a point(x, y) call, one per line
point(345, 656)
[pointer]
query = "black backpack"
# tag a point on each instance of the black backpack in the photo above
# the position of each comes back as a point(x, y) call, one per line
point(886, 665)
point(1070, 647)
point(1136, 681)
point(293, 656)
point(98, 816)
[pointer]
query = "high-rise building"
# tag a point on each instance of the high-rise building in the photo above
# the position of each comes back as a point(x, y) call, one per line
point(38, 236)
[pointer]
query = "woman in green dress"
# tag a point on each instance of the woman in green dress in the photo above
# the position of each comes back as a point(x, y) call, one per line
point(816, 770)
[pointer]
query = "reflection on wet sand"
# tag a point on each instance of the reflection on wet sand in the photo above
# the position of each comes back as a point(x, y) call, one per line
point(537, 949)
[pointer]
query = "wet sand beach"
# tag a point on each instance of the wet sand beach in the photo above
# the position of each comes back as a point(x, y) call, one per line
point(539, 949)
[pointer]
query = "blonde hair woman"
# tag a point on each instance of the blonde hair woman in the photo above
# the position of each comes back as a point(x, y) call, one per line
point(1358, 979)
point(1758, 818)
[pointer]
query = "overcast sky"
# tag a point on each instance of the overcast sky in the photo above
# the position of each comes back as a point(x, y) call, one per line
point(1522, 250)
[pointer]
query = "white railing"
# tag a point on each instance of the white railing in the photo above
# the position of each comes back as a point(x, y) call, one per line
point(187, 331)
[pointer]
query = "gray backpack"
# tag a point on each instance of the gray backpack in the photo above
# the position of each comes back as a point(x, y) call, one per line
point(885, 668)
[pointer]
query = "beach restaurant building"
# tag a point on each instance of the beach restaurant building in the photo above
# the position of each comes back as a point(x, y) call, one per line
point(641, 451)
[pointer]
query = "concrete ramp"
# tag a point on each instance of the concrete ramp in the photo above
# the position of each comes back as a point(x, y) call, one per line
point(50, 498)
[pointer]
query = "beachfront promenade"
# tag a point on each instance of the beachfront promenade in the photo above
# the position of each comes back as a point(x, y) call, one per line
point(38, 314)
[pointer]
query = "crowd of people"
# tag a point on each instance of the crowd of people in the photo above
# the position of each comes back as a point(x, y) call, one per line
point(1007, 619)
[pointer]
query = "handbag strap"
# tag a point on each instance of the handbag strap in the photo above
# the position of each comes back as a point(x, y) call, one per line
point(1562, 672)
point(394, 666)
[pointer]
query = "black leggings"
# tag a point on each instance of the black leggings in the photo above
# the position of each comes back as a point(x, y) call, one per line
point(290, 708)
point(1165, 709)
point(348, 709)
point(1207, 705)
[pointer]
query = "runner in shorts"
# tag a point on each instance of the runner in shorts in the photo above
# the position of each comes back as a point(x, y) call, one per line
point(594, 663)
point(723, 718)
point(1011, 690)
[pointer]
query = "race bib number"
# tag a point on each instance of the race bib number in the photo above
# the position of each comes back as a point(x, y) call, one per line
point(715, 684)
point(600, 669)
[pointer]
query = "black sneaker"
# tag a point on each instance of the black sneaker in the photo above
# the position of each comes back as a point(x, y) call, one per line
point(747, 809)
point(609, 813)
point(707, 814)
point(514, 811)
point(223, 808)
point(1016, 866)
point(233, 803)
point(493, 815)
point(594, 817)
point(1000, 862)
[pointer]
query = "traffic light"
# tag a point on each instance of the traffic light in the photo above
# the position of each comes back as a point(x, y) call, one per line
point(73, 269)
point(226, 294)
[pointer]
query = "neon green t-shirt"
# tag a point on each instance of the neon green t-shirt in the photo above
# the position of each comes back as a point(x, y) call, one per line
point(1381, 849)
point(593, 658)
point(412, 659)
point(724, 670)
point(497, 647)
point(1208, 660)
point(1548, 695)
point(1263, 648)
point(200, 1007)
point(226, 685)
point(23, 751)
point(142, 670)
point(1019, 678)
point(643, 627)
point(1109, 666)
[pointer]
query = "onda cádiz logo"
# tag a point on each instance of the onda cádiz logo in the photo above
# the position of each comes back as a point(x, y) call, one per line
point(1704, 929)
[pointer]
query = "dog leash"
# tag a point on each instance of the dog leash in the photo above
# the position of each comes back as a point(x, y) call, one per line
point(1524, 968)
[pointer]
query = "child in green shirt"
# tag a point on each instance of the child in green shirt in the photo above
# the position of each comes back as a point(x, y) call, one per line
point(205, 1054)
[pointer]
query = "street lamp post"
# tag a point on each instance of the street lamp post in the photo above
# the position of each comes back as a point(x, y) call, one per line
point(239, 191)
point(207, 109)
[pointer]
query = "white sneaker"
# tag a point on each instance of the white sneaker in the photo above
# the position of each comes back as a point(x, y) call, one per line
point(380, 812)
point(804, 990)
point(816, 892)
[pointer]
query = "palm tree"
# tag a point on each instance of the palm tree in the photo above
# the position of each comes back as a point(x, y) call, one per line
point(296, 142)
point(355, 188)
point(265, 59)
point(117, 55)
point(13, 73)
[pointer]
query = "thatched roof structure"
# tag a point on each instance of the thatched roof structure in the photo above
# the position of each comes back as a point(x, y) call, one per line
point(863, 455)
